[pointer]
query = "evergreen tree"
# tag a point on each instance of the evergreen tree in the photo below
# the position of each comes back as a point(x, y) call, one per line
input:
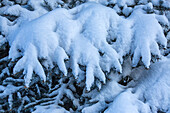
point(85, 56)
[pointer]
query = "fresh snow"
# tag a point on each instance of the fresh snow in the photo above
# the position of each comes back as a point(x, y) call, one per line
point(147, 34)
point(82, 44)
point(50, 109)
point(98, 46)
point(51, 37)
point(148, 89)
point(127, 102)
point(151, 91)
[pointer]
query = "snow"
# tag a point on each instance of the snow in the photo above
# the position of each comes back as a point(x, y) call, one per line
point(151, 92)
point(127, 10)
point(22, 13)
point(164, 3)
point(10, 99)
point(3, 25)
point(147, 92)
point(155, 88)
point(7, 2)
point(117, 9)
point(96, 38)
point(2, 40)
point(81, 43)
point(108, 92)
point(146, 42)
point(127, 102)
point(122, 3)
point(34, 47)
point(54, 3)
point(155, 2)
point(50, 109)
point(53, 39)
point(94, 108)
point(162, 19)
point(8, 90)
point(21, 1)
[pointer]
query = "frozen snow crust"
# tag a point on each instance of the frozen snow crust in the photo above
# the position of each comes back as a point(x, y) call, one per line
point(81, 35)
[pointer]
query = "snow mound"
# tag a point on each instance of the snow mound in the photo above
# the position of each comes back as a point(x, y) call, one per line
point(154, 89)
point(149, 93)
point(127, 102)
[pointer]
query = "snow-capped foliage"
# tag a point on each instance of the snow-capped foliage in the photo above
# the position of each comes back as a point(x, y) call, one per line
point(77, 56)
point(83, 43)
point(53, 4)
point(2, 40)
point(93, 33)
point(147, 33)
point(150, 94)
point(147, 92)
point(50, 109)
